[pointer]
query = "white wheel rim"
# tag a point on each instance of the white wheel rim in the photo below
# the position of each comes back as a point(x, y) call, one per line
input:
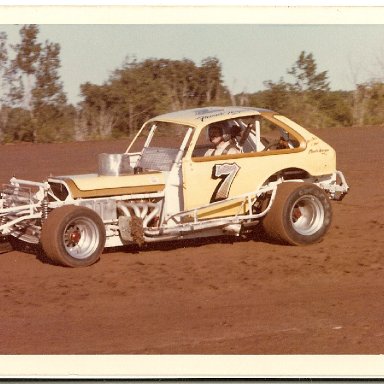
point(307, 215)
point(81, 238)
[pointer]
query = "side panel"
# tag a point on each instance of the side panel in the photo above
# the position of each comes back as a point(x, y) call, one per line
point(212, 179)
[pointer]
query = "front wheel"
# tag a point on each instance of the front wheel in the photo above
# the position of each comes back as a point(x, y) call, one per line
point(301, 214)
point(73, 236)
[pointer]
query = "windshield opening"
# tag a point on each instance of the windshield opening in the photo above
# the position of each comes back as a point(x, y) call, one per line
point(160, 145)
point(159, 134)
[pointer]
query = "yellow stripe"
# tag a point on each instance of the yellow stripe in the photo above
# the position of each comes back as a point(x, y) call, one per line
point(76, 192)
point(224, 209)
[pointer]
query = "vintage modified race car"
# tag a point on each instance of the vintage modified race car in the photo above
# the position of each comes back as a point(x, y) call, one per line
point(171, 184)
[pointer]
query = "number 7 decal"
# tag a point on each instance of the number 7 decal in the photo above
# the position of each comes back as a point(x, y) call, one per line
point(227, 173)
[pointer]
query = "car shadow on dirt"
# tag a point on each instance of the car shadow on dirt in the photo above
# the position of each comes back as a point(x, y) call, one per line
point(258, 236)
point(13, 244)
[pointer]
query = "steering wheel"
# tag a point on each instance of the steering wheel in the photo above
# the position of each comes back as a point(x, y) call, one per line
point(272, 145)
point(275, 144)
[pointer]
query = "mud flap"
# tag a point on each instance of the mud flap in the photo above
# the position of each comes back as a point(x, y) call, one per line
point(131, 229)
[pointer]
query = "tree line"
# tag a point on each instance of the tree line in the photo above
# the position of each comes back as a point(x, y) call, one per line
point(34, 107)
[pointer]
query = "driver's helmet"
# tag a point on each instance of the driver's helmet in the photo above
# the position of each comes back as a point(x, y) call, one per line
point(224, 129)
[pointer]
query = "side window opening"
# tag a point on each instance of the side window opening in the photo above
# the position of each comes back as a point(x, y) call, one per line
point(274, 137)
point(250, 134)
point(234, 138)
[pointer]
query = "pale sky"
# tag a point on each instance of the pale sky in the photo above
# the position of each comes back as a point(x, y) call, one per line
point(249, 53)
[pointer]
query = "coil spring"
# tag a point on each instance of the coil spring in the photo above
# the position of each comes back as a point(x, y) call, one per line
point(44, 210)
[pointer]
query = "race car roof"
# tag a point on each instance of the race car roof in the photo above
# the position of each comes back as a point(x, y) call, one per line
point(207, 115)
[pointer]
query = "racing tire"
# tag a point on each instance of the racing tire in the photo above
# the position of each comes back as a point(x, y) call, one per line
point(300, 215)
point(73, 236)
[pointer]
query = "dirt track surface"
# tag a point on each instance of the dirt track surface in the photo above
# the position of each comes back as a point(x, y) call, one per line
point(206, 297)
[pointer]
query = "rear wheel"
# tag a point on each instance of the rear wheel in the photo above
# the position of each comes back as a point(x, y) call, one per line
point(301, 214)
point(73, 236)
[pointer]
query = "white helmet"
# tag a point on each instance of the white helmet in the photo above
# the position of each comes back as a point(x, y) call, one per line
point(219, 129)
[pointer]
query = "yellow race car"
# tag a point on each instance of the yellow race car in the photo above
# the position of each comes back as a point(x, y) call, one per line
point(188, 174)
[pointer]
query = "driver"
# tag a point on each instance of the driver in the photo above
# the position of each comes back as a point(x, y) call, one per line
point(223, 142)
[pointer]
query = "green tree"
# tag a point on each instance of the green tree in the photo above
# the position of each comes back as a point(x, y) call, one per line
point(306, 98)
point(26, 61)
point(97, 117)
point(306, 76)
point(277, 96)
point(370, 103)
point(3, 63)
point(19, 125)
point(48, 88)
point(34, 85)
point(49, 101)
point(140, 90)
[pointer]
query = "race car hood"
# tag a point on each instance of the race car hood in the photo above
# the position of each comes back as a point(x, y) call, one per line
point(93, 185)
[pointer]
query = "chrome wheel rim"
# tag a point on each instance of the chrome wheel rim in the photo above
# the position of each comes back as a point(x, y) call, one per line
point(81, 238)
point(307, 215)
